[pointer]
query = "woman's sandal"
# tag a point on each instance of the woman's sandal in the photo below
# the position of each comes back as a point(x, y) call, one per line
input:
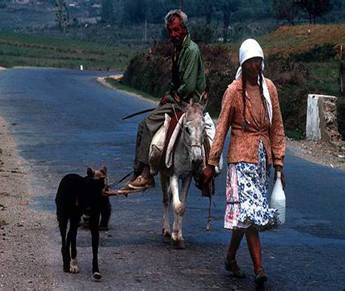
point(260, 277)
point(231, 266)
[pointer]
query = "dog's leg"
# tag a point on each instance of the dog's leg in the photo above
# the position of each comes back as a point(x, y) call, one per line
point(94, 222)
point(74, 268)
point(68, 243)
point(64, 251)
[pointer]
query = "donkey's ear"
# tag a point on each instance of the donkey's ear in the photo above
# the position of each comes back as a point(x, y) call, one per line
point(191, 101)
point(90, 172)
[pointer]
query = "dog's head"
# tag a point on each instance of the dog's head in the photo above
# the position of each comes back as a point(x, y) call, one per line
point(99, 175)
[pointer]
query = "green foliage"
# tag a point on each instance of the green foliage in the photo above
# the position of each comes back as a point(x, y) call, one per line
point(3, 4)
point(62, 15)
point(136, 11)
point(28, 50)
point(285, 9)
point(321, 53)
point(121, 86)
point(108, 11)
point(314, 8)
point(203, 33)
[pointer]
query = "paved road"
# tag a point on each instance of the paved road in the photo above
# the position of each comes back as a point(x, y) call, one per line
point(64, 120)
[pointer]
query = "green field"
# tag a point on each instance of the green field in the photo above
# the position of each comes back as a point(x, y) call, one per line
point(28, 50)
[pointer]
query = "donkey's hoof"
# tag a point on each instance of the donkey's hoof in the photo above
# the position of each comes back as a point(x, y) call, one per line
point(96, 276)
point(73, 267)
point(178, 244)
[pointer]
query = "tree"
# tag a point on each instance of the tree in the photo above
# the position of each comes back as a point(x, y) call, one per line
point(227, 7)
point(314, 8)
point(136, 11)
point(107, 11)
point(62, 15)
point(3, 4)
point(285, 9)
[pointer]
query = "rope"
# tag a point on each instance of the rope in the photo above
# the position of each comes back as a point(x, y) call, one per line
point(121, 180)
point(209, 219)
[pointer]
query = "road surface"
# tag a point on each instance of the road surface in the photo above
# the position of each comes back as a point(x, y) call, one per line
point(64, 121)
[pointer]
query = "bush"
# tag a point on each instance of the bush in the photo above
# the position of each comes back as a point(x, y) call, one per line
point(151, 72)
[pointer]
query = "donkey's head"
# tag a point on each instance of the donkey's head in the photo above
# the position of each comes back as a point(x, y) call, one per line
point(193, 132)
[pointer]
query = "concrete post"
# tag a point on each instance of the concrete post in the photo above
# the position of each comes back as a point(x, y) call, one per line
point(321, 118)
point(313, 118)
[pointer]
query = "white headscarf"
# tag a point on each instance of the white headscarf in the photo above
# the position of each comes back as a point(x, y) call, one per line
point(250, 48)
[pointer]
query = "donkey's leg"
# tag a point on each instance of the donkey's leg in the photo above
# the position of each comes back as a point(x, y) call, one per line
point(177, 237)
point(183, 196)
point(64, 251)
point(74, 268)
point(94, 224)
point(166, 202)
point(177, 204)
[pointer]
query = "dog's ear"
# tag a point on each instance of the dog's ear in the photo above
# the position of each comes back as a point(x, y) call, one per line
point(90, 172)
point(104, 170)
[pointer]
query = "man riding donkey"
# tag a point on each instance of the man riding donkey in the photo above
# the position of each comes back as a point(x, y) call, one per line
point(188, 84)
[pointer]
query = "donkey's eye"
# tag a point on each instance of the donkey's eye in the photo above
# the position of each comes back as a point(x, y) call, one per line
point(187, 130)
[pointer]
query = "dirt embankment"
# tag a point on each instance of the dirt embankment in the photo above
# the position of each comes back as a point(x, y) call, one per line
point(24, 254)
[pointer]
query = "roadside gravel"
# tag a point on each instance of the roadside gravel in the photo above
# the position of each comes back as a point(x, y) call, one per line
point(319, 152)
point(24, 247)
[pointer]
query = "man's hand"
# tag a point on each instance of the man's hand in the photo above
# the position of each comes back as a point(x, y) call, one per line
point(279, 169)
point(208, 173)
point(164, 100)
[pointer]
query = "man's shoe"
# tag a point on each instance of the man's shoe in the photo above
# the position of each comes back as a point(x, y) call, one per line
point(234, 269)
point(260, 277)
point(142, 183)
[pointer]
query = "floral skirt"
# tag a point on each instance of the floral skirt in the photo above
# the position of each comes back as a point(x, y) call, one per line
point(246, 195)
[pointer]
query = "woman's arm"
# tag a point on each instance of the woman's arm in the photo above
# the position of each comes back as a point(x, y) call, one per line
point(277, 134)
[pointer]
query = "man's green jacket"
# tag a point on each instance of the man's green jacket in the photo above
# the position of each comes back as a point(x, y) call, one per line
point(188, 74)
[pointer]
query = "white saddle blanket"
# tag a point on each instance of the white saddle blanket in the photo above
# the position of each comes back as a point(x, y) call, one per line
point(158, 142)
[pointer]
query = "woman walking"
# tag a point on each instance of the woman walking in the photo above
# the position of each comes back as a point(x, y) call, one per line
point(250, 107)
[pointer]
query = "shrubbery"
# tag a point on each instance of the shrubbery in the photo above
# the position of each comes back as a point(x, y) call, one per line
point(294, 77)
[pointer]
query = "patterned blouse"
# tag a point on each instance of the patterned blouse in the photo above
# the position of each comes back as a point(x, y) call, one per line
point(245, 140)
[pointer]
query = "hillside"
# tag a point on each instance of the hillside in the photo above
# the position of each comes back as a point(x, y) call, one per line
point(300, 39)
point(299, 59)
point(29, 50)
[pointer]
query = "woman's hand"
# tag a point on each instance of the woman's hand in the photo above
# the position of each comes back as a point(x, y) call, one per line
point(208, 173)
point(282, 176)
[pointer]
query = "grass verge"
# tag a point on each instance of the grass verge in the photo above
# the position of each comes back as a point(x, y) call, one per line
point(29, 50)
point(120, 86)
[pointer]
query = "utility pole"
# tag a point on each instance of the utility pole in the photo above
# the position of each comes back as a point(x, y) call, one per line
point(342, 72)
point(145, 31)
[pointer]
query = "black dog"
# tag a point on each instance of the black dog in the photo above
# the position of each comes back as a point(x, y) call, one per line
point(77, 195)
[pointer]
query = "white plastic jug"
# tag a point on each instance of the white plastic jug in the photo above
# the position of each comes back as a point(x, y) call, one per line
point(278, 200)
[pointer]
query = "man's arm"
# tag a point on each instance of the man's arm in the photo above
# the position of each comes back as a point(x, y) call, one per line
point(190, 70)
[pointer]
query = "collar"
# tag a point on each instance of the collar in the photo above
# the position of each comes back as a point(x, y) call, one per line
point(185, 43)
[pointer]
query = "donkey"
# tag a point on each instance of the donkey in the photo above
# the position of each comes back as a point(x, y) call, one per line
point(187, 158)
